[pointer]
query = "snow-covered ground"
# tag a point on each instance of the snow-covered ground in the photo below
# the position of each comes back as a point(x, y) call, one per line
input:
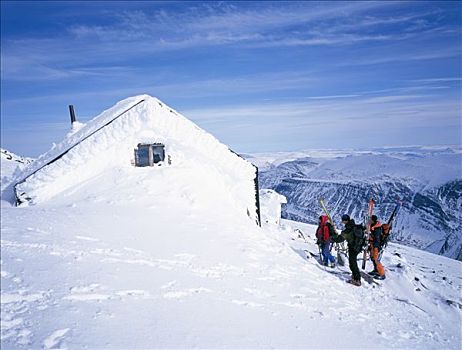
point(112, 265)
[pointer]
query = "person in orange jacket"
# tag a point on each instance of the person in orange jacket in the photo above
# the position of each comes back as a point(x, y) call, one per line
point(374, 247)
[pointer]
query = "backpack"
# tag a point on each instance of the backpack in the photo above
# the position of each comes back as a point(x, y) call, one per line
point(358, 237)
point(334, 236)
point(385, 235)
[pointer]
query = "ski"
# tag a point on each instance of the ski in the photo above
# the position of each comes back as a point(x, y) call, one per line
point(324, 208)
point(314, 255)
point(369, 279)
point(386, 228)
point(393, 215)
point(338, 247)
point(367, 222)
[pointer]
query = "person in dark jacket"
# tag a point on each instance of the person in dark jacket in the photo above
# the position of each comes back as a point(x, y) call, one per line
point(354, 248)
point(375, 247)
point(324, 241)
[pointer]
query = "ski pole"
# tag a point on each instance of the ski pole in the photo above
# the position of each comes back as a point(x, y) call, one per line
point(368, 229)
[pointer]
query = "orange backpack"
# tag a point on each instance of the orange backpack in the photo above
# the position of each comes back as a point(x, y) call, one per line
point(385, 235)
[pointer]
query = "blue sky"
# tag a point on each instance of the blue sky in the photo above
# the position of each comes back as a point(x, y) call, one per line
point(260, 76)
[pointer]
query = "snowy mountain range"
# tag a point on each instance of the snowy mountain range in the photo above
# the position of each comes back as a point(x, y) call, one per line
point(106, 255)
point(426, 180)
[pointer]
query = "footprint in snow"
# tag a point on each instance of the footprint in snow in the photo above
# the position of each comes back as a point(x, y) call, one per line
point(134, 293)
point(86, 293)
point(185, 256)
point(132, 250)
point(168, 285)
point(55, 339)
point(84, 289)
point(85, 238)
point(258, 293)
point(18, 298)
point(297, 296)
point(37, 230)
point(185, 293)
point(87, 297)
point(247, 303)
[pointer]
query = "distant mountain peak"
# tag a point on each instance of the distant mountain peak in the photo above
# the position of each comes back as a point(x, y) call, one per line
point(426, 179)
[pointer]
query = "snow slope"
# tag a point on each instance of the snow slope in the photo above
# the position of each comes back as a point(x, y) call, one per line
point(151, 266)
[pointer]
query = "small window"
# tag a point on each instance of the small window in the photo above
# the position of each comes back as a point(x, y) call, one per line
point(158, 152)
point(148, 154)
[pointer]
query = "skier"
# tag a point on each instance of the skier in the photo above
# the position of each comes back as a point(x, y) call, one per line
point(375, 248)
point(352, 234)
point(324, 241)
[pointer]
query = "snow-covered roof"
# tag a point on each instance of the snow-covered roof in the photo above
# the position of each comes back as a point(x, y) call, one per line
point(108, 142)
point(95, 125)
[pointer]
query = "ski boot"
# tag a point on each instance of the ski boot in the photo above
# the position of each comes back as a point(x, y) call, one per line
point(356, 283)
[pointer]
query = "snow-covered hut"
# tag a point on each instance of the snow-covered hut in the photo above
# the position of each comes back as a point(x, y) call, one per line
point(109, 140)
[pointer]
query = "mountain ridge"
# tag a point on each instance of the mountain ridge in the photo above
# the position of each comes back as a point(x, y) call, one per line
point(426, 180)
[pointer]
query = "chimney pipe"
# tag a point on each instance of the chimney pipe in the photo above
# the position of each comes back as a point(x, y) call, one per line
point(71, 111)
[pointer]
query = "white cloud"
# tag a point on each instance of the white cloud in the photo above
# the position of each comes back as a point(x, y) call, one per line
point(136, 34)
point(346, 122)
point(217, 24)
point(330, 97)
point(380, 110)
